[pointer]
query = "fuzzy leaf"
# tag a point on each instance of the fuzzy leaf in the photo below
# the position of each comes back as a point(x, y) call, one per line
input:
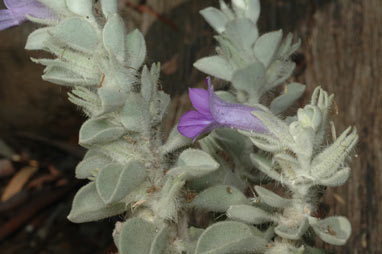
point(333, 230)
point(135, 49)
point(114, 36)
point(160, 242)
point(216, 66)
point(88, 206)
point(175, 141)
point(293, 232)
point(115, 181)
point(77, 33)
point(81, 7)
point(337, 179)
point(194, 163)
point(219, 198)
point(36, 39)
point(267, 45)
point(60, 75)
point(134, 114)
point(99, 130)
point(229, 237)
point(91, 165)
point(136, 236)
point(291, 94)
point(243, 33)
point(59, 6)
point(147, 85)
point(215, 18)
point(272, 199)
point(250, 79)
point(248, 214)
point(265, 166)
point(278, 72)
point(109, 7)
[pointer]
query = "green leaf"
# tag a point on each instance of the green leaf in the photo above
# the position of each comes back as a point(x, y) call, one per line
point(114, 36)
point(91, 165)
point(265, 166)
point(272, 199)
point(337, 179)
point(109, 7)
point(193, 163)
point(115, 181)
point(77, 33)
point(248, 214)
point(134, 115)
point(334, 230)
point(60, 75)
point(219, 198)
point(147, 85)
point(250, 79)
point(293, 92)
point(215, 18)
point(36, 39)
point(59, 6)
point(293, 232)
point(267, 45)
point(135, 49)
point(243, 33)
point(216, 66)
point(229, 237)
point(88, 206)
point(81, 7)
point(99, 130)
point(160, 242)
point(136, 236)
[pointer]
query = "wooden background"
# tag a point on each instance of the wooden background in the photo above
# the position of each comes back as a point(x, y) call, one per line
point(341, 51)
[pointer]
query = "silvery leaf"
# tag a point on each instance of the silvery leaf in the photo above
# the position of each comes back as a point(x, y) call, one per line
point(216, 66)
point(248, 214)
point(229, 237)
point(135, 49)
point(272, 199)
point(81, 7)
point(114, 36)
point(215, 18)
point(99, 130)
point(109, 7)
point(115, 181)
point(267, 45)
point(292, 93)
point(88, 206)
point(333, 230)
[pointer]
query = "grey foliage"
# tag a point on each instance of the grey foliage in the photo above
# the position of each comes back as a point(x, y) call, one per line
point(153, 183)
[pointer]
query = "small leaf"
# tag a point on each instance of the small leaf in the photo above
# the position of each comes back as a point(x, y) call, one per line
point(115, 181)
point(147, 85)
point(265, 166)
point(77, 33)
point(250, 79)
point(272, 199)
point(88, 206)
point(333, 230)
point(134, 113)
point(292, 93)
point(229, 237)
point(338, 179)
point(59, 6)
point(135, 49)
point(219, 198)
point(160, 242)
point(91, 165)
point(215, 18)
point(60, 75)
point(267, 45)
point(175, 141)
point(36, 39)
point(81, 7)
point(194, 163)
point(114, 36)
point(216, 66)
point(243, 33)
point(99, 130)
point(109, 7)
point(293, 232)
point(248, 214)
point(136, 236)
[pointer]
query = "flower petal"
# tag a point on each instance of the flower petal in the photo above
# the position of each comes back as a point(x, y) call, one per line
point(233, 115)
point(10, 4)
point(200, 100)
point(7, 20)
point(193, 123)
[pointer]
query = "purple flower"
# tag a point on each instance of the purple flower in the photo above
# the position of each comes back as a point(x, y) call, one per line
point(211, 113)
point(17, 9)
